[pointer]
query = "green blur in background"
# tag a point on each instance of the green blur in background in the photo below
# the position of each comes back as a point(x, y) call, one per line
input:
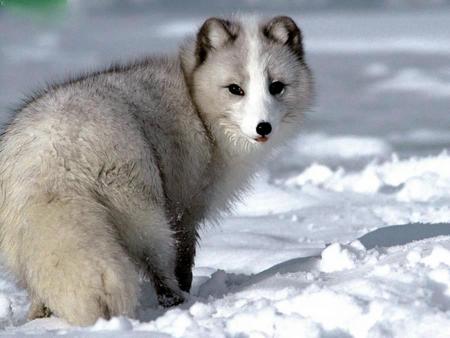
point(36, 8)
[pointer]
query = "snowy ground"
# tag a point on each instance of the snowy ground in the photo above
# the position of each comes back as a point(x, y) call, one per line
point(347, 233)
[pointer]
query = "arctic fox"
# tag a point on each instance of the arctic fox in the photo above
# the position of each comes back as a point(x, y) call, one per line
point(111, 174)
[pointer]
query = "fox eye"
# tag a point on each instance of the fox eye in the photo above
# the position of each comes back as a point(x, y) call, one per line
point(236, 90)
point(276, 87)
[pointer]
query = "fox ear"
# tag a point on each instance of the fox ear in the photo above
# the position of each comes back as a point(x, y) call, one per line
point(282, 29)
point(214, 34)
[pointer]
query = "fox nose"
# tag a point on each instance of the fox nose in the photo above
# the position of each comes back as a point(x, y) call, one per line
point(264, 128)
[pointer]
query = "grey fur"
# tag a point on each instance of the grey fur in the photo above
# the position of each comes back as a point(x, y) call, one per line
point(114, 172)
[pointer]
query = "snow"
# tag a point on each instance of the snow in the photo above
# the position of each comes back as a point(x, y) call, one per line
point(337, 257)
point(380, 46)
point(343, 146)
point(347, 232)
point(422, 136)
point(275, 275)
point(414, 80)
point(399, 291)
point(377, 69)
point(415, 179)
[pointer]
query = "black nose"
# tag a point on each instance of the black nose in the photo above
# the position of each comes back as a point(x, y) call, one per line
point(263, 128)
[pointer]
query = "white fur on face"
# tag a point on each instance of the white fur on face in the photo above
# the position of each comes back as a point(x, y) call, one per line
point(257, 105)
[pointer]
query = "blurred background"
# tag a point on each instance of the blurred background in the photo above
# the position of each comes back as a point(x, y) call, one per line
point(382, 68)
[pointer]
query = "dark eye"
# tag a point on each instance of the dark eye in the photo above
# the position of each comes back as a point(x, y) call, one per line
point(276, 87)
point(236, 90)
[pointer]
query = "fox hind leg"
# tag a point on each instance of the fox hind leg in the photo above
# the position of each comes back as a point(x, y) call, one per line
point(153, 245)
point(74, 263)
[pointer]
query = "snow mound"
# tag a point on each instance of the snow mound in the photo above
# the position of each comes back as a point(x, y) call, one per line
point(338, 257)
point(415, 179)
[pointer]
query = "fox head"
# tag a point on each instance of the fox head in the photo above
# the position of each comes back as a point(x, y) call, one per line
point(248, 79)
